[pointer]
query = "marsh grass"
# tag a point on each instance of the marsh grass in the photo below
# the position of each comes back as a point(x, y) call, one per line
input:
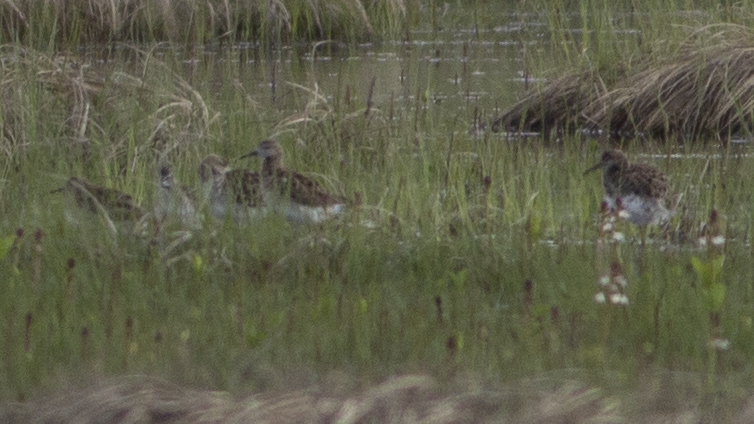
point(707, 98)
point(72, 23)
point(658, 74)
point(461, 255)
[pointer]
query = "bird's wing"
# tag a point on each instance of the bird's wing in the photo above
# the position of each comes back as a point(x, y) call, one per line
point(646, 181)
point(305, 190)
point(246, 186)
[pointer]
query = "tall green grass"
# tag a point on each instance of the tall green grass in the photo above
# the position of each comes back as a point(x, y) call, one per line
point(69, 24)
point(613, 37)
point(595, 26)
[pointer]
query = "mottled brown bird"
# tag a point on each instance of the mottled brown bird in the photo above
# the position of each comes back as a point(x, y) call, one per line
point(113, 203)
point(639, 189)
point(298, 197)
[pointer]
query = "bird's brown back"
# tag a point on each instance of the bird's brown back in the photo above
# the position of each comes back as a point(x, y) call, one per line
point(643, 180)
point(300, 188)
point(118, 205)
point(245, 186)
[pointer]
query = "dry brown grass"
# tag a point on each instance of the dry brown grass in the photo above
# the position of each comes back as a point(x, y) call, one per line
point(83, 97)
point(703, 93)
point(65, 81)
point(556, 106)
point(703, 90)
point(663, 397)
point(76, 22)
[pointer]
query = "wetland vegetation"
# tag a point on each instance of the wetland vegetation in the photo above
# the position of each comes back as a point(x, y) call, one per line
point(469, 256)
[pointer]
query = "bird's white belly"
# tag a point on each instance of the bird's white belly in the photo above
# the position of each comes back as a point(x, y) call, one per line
point(301, 213)
point(640, 210)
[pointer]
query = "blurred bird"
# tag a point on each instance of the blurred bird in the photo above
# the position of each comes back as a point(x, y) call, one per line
point(300, 198)
point(639, 189)
point(174, 200)
point(116, 204)
point(112, 204)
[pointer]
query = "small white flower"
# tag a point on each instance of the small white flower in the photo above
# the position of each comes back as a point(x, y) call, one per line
point(619, 237)
point(720, 343)
point(604, 281)
point(702, 241)
point(619, 299)
point(718, 240)
point(369, 225)
point(607, 227)
point(624, 214)
point(599, 298)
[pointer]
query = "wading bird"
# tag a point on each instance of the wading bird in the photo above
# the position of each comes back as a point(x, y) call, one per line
point(174, 200)
point(300, 198)
point(111, 204)
point(636, 191)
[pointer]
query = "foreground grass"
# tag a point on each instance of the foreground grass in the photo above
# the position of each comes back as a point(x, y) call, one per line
point(659, 397)
point(428, 274)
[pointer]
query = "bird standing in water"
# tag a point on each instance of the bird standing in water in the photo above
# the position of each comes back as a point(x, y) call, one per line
point(637, 191)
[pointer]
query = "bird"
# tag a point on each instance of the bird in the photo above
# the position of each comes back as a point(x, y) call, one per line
point(174, 200)
point(111, 204)
point(89, 196)
point(635, 191)
point(222, 185)
point(300, 198)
